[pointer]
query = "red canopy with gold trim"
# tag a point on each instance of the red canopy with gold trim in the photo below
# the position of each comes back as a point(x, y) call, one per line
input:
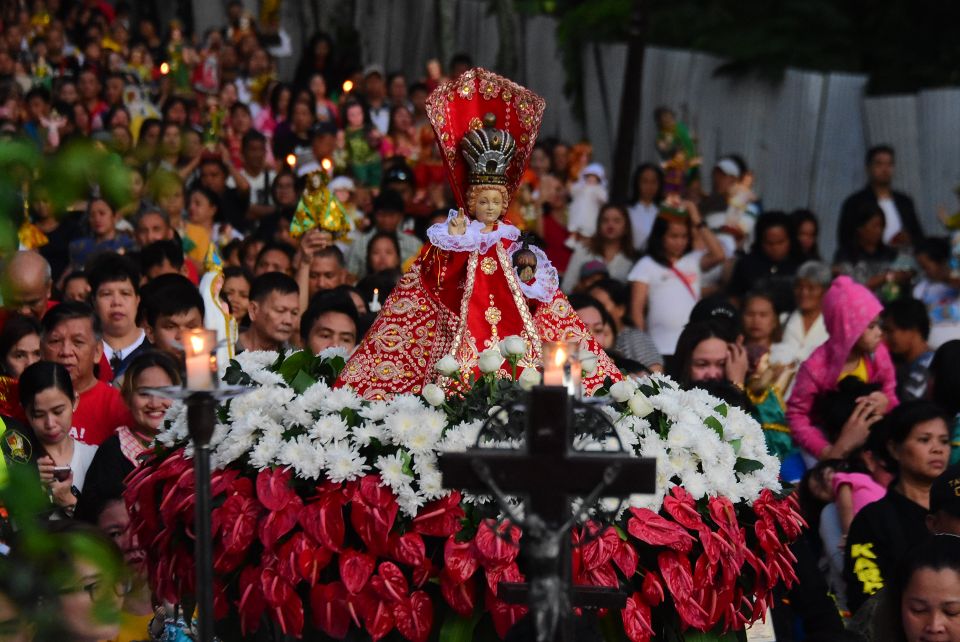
point(459, 105)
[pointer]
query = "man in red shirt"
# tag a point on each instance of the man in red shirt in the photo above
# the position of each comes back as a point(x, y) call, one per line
point(71, 336)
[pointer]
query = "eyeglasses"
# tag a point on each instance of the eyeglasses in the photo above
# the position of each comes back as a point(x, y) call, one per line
point(99, 590)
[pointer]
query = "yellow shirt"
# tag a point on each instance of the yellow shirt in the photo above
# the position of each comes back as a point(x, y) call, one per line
point(860, 372)
point(133, 628)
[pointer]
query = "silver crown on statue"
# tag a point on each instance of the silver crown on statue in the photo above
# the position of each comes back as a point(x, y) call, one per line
point(488, 152)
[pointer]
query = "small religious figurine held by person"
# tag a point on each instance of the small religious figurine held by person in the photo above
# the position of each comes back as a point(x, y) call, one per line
point(678, 151)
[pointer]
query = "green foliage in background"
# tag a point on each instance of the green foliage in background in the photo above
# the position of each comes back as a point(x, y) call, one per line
point(69, 176)
point(902, 45)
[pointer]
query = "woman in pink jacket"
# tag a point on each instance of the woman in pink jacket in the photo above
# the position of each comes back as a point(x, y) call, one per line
point(850, 313)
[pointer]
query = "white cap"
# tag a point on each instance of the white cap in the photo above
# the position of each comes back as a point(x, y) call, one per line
point(341, 182)
point(728, 167)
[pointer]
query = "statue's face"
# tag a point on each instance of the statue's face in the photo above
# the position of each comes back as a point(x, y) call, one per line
point(488, 206)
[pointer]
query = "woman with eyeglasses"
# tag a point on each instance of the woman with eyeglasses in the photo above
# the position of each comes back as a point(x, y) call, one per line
point(121, 453)
point(47, 397)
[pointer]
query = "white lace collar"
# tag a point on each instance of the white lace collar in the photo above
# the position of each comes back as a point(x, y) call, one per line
point(474, 239)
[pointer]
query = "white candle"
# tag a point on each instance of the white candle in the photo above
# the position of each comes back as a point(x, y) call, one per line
point(201, 363)
point(375, 301)
point(554, 360)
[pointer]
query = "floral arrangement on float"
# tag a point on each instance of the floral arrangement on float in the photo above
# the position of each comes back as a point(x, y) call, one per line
point(330, 519)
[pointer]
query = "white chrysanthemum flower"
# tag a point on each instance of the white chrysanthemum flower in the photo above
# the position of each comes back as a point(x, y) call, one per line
point(401, 425)
point(334, 351)
point(410, 501)
point(267, 378)
point(265, 451)
point(695, 484)
point(341, 399)
point(343, 462)
point(251, 360)
point(366, 432)
point(405, 403)
point(391, 471)
point(328, 428)
point(375, 411)
point(304, 456)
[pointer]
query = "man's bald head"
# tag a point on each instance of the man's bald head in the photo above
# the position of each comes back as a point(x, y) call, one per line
point(27, 281)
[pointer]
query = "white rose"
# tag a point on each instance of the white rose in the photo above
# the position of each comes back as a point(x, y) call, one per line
point(513, 346)
point(529, 378)
point(490, 361)
point(433, 394)
point(640, 406)
point(588, 362)
point(623, 390)
point(448, 366)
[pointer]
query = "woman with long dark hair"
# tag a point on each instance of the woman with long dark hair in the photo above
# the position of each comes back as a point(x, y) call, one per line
point(645, 201)
point(667, 282)
point(612, 244)
point(770, 265)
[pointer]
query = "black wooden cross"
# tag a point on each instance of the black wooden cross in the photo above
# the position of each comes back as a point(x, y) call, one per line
point(549, 472)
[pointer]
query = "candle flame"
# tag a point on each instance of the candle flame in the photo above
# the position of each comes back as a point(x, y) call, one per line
point(197, 343)
point(291, 159)
point(559, 357)
point(164, 68)
point(376, 294)
point(347, 86)
point(326, 164)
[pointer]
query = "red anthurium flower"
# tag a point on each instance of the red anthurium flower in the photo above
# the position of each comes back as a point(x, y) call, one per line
point(390, 583)
point(237, 518)
point(323, 521)
point(280, 522)
point(652, 588)
point(461, 596)
point(625, 557)
point(283, 603)
point(328, 604)
point(636, 619)
point(596, 548)
point(378, 617)
point(221, 604)
point(356, 569)
point(675, 569)
point(504, 615)
point(414, 617)
point(251, 604)
point(509, 573)
point(496, 544)
point(459, 559)
point(273, 488)
point(408, 549)
point(440, 518)
point(651, 528)
point(681, 506)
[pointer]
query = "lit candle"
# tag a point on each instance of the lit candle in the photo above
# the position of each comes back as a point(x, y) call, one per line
point(291, 160)
point(164, 68)
point(201, 360)
point(326, 164)
point(347, 86)
point(554, 360)
point(375, 301)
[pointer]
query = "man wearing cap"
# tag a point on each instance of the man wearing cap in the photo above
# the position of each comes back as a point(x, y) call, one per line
point(375, 93)
point(388, 214)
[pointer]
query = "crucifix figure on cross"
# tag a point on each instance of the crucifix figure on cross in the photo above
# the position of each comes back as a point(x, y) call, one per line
point(549, 473)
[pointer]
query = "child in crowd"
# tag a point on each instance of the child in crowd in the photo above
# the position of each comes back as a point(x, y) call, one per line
point(851, 315)
point(588, 195)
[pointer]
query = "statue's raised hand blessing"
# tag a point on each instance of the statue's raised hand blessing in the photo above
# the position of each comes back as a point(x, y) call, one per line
point(458, 224)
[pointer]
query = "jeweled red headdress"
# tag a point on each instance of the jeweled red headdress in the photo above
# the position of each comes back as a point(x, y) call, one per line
point(459, 106)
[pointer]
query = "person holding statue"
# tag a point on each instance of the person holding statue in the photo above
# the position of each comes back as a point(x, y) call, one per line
point(474, 283)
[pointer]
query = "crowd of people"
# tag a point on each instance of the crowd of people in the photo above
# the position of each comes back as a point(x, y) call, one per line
point(848, 363)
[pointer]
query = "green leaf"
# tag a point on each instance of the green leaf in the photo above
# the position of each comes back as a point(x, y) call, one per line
point(721, 410)
point(301, 382)
point(622, 533)
point(714, 423)
point(744, 466)
point(457, 628)
point(294, 364)
point(736, 444)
